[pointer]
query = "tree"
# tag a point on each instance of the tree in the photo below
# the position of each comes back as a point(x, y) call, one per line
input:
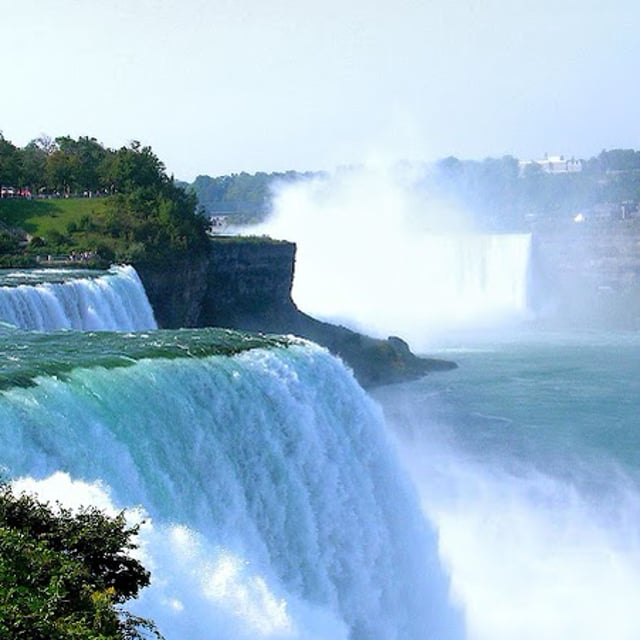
point(131, 167)
point(87, 156)
point(33, 162)
point(9, 163)
point(61, 170)
point(64, 575)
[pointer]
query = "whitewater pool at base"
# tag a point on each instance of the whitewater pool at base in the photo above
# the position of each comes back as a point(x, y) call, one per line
point(527, 459)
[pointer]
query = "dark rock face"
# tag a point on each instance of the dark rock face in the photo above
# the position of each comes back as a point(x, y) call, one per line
point(245, 283)
point(248, 280)
point(176, 290)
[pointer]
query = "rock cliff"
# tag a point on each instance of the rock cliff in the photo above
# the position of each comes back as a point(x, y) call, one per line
point(245, 283)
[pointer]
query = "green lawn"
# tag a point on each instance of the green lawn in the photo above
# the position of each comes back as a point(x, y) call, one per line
point(39, 217)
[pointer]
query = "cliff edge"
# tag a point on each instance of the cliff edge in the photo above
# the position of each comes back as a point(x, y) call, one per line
point(245, 283)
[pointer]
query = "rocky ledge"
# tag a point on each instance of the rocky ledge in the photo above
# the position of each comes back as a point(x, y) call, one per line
point(245, 283)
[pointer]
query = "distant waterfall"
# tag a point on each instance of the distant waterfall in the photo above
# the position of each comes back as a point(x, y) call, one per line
point(469, 277)
point(416, 285)
point(113, 301)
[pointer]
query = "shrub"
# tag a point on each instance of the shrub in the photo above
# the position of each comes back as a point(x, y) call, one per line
point(65, 574)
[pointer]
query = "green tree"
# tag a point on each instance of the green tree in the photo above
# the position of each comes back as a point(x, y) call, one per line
point(61, 171)
point(65, 575)
point(86, 155)
point(131, 167)
point(9, 163)
point(33, 163)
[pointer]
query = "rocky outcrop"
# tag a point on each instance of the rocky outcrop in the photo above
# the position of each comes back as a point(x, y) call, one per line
point(176, 289)
point(245, 283)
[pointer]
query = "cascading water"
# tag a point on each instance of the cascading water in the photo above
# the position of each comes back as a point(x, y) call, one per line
point(447, 281)
point(378, 254)
point(105, 301)
point(278, 509)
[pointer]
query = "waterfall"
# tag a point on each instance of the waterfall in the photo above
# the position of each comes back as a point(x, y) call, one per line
point(380, 254)
point(417, 285)
point(111, 301)
point(469, 277)
point(275, 504)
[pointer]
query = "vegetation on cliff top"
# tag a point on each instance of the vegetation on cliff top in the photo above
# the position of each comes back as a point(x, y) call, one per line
point(78, 199)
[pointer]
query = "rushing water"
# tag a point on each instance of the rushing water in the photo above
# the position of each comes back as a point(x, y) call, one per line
point(274, 502)
point(46, 300)
point(281, 501)
point(528, 461)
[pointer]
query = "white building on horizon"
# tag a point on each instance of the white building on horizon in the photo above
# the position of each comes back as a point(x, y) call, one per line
point(553, 164)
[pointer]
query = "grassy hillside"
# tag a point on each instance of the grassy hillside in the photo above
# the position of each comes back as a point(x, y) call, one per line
point(39, 217)
point(147, 219)
point(32, 229)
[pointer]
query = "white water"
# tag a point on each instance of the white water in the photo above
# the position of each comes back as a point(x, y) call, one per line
point(115, 301)
point(277, 507)
point(526, 458)
point(377, 254)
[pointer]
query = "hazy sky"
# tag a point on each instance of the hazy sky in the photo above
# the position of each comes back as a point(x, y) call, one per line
point(220, 86)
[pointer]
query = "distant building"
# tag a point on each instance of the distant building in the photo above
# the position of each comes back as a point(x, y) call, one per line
point(553, 164)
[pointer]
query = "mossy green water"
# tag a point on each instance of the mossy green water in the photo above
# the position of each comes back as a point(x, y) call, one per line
point(24, 355)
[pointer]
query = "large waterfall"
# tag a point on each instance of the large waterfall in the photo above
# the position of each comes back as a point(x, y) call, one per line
point(66, 299)
point(273, 503)
point(378, 253)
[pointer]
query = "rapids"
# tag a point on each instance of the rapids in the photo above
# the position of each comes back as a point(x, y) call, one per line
point(272, 500)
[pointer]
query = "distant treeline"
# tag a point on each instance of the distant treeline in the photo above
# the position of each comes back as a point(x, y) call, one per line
point(244, 197)
point(502, 192)
point(505, 192)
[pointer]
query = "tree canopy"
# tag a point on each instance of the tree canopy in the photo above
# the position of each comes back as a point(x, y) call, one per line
point(501, 193)
point(245, 197)
point(65, 575)
point(143, 214)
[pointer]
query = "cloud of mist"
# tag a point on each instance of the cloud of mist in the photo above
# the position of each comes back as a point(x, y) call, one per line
point(379, 251)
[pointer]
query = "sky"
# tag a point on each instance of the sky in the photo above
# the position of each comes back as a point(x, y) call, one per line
point(223, 86)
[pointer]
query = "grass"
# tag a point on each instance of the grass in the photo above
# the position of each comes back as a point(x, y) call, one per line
point(40, 217)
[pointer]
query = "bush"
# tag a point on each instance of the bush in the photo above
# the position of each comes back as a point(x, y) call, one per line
point(64, 574)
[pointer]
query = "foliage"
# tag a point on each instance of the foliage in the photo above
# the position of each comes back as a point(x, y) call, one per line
point(65, 575)
point(503, 196)
point(131, 208)
point(153, 223)
point(242, 196)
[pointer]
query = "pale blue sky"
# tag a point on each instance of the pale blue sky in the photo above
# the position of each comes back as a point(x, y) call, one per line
point(221, 86)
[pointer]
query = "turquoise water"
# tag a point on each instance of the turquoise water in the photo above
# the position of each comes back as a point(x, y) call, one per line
point(274, 505)
point(549, 399)
point(278, 503)
point(27, 355)
point(271, 502)
point(48, 300)
point(527, 458)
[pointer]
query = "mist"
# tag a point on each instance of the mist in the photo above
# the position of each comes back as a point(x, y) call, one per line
point(379, 250)
point(526, 462)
